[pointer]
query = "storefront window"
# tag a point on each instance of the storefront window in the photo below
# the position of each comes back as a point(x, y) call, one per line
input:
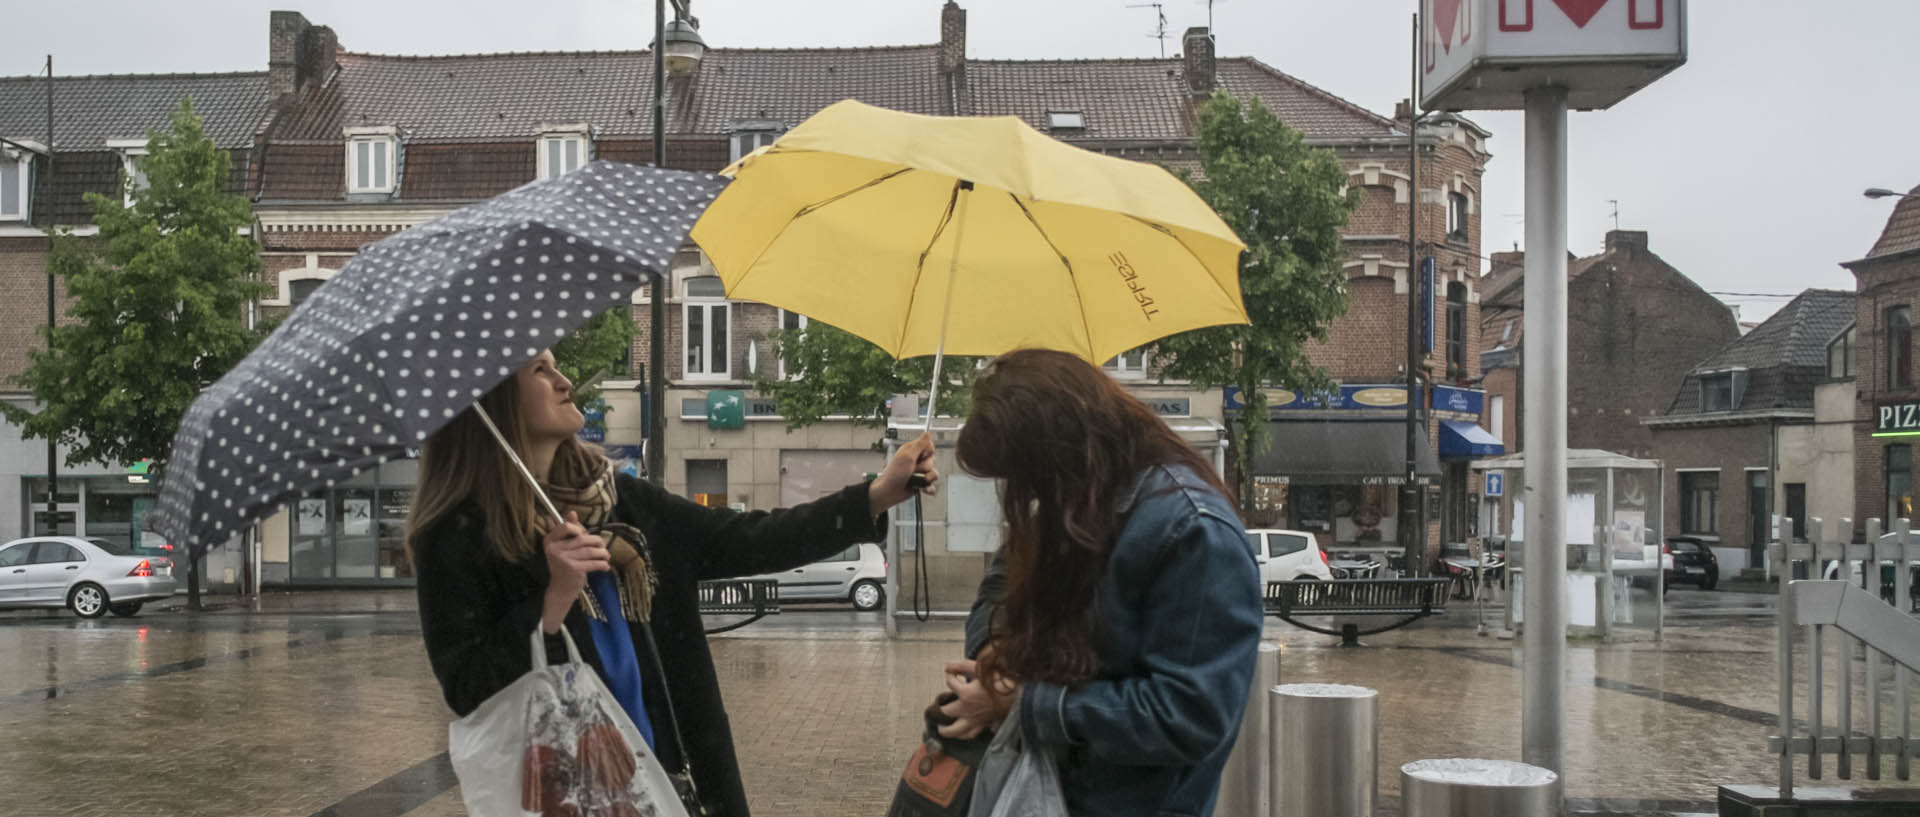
point(357, 531)
point(1899, 482)
point(66, 514)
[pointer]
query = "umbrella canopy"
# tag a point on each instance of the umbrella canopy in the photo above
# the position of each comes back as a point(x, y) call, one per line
point(879, 222)
point(412, 331)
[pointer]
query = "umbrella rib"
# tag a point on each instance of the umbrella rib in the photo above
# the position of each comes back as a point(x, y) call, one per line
point(866, 185)
point(920, 267)
point(1071, 278)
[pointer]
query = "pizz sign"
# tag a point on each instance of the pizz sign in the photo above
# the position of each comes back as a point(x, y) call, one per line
point(1897, 419)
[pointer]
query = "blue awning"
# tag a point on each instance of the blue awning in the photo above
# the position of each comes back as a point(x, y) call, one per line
point(1460, 439)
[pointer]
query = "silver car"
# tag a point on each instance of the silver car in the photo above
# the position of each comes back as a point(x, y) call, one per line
point(88, 576)
point(857, 574)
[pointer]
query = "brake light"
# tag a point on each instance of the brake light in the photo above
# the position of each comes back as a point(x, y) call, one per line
point(1323, 559)
point(143, 569)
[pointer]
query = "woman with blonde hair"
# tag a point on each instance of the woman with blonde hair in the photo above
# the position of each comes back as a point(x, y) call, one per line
point(620, 574)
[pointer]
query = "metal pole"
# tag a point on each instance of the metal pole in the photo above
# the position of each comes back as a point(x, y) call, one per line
point(657, 328)
point(1783, 657)
point(1543, 722)
point(1413, 539)
point(1245, 782)
point(53, 457)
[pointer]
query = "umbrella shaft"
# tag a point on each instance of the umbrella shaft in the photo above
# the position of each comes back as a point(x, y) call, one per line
point(961, 196)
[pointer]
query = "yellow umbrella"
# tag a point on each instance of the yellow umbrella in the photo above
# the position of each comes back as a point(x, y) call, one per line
point(969, 235)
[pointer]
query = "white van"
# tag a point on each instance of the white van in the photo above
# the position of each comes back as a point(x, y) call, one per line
point(1288, 554)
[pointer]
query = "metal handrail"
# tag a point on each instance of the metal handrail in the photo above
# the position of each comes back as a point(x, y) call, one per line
point(1861, 621)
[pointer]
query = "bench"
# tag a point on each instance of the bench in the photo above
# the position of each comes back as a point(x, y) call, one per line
point(1410, 599)
point(754, 598)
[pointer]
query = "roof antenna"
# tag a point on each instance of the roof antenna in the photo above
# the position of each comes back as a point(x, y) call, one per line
point(1616, 213)
point(1160, 30)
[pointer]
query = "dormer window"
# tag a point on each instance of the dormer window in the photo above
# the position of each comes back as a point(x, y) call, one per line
point(1066, 120)
point(16, 182)
point(1722, 391)
point(562, 150)
point(751, 136)
point(371, 154)
point(133, 173)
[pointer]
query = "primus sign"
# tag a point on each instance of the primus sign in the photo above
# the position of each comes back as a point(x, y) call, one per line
point(1897, 420)
point(1485, 54)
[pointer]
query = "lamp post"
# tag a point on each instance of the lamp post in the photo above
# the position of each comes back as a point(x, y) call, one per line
point(677, 46)
point(1881, 193)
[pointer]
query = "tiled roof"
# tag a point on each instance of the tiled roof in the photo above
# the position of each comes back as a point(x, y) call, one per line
point(495, 96)
point(1785, 356)
point(89, 110)
point(1902, 233)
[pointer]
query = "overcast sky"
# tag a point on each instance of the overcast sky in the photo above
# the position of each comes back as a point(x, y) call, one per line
point(1746, 165)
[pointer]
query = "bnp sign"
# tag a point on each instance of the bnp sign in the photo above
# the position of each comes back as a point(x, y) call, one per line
point(1485, 54)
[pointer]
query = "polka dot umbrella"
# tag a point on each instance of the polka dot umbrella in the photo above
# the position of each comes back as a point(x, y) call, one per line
point(411, 332)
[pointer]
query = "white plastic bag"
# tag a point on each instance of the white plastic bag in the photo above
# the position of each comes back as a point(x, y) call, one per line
point(1017, 779)
point(556, 743)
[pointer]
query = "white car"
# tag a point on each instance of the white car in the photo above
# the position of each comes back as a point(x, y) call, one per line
point(1286, 555)
point(86, 575)
point(857, 574)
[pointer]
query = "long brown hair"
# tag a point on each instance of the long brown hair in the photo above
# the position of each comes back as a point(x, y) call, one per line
point(1066, 442)
point(462, 461)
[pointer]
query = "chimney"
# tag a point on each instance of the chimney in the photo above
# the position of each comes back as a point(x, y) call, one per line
point(953, 40)
point(1198, 48)
point(1626, 239)
point(1403, 111)
point(1514, 259)
point(299, 54)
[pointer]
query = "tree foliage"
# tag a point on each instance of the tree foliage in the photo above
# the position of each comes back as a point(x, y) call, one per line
point(592, 352)
point(1288, 202)
point(832, 372)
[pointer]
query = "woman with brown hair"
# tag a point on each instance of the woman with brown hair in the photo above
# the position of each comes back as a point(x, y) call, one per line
point(1123, 609)
point(621, 573)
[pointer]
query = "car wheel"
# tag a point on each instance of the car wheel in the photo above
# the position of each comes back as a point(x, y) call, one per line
point(125, 609)
point(88, 600)
point(867, 595)
point(1710, 582)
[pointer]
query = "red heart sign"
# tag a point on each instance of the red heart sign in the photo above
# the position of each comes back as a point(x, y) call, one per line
point(1445, 14)
point(1580, 11)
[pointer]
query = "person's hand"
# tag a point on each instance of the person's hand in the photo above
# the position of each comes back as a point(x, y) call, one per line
point(572, 553)
point(977, 707)
point(890, 488)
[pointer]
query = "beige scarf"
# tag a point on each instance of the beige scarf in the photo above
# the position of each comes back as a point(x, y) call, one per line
point(592, 496)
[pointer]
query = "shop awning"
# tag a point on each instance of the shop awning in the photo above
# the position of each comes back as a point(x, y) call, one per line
point(1463, 439)
point(1343, 452)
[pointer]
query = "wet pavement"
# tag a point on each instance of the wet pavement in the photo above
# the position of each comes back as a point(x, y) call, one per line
point(323, 704)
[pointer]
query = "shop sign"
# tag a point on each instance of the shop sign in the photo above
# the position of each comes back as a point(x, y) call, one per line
point(1358, 397)
point(1900, 419)
point(1462, 401)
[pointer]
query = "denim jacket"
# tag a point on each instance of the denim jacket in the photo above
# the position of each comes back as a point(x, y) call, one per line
point(1150, 733)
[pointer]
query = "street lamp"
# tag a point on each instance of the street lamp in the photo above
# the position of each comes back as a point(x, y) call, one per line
point(683, 48)
point(1881, 193)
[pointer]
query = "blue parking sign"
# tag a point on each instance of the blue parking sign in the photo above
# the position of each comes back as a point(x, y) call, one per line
point(1496, 481)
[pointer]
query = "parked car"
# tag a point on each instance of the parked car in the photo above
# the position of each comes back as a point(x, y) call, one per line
point(89, 576)
point(857, 574)
point(1692, 563)
point(1287, 555)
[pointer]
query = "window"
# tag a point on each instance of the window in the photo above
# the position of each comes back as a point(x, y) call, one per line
point(299, 288)
point(561, 153)
point(1129, 365)
point(16, 184)
point(1797, 509)
point(1899, 482)
point(790, 322)
point(1840, 355)
point(1506, 332)
point(1721, 391)
point(1254, 545)
point(1066, 120)
point(707, 482)
point(1700, 502)
point(746, 141)
point(1456, 216)
point(16, 555)
point(708, 325)
point(133, 174)
point(1497, 416)
point(1456, 331)
point(1899, 332)
point(53, 553)
point(370, 160)
point(1285, 543)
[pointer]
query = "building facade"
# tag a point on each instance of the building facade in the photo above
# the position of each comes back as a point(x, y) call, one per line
point(1887, 284)
point(338, 149)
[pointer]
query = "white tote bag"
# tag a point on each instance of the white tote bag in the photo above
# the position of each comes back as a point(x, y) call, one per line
point(556, 742)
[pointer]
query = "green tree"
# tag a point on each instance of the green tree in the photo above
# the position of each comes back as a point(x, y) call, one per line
point(592, 353)
point(159, 302)
point(834, 372)
point(1288, 202)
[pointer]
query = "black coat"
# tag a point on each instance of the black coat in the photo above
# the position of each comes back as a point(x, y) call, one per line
point(477, 609)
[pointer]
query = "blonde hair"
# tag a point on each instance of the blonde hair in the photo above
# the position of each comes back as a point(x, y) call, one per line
point(462, 461)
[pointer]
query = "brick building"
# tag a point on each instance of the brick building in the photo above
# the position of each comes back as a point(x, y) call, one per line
point(338, 149)
point(1749, 417)
point(1635, 327)
point(1888, 288)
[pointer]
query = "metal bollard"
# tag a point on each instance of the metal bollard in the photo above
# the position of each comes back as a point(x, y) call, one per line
point(1243, 783)
point(1471, 787)
point(1326, 749)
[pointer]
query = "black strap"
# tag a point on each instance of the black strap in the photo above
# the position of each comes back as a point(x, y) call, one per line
point(922, 592)
point(691, 796)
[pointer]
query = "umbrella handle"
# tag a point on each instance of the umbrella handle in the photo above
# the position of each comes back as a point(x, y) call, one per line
point(515, 458)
